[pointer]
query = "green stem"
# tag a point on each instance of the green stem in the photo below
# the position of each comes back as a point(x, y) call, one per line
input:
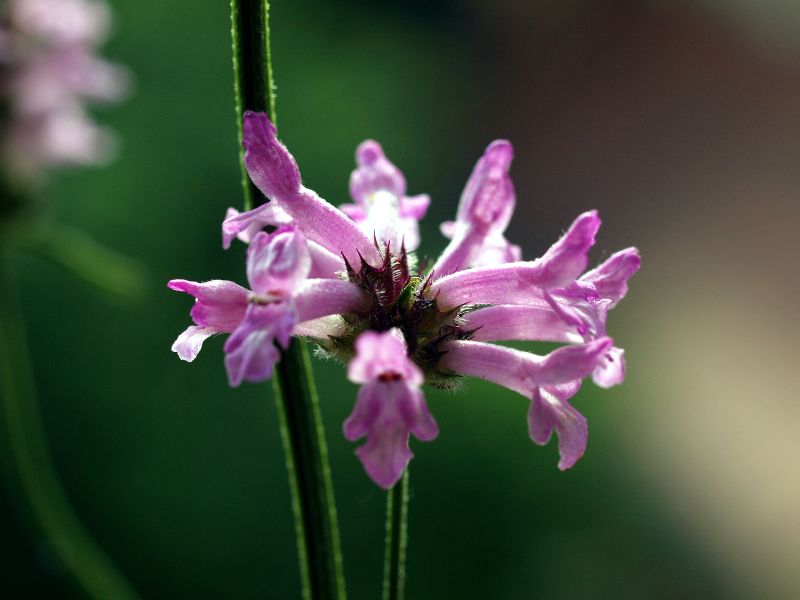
point(309, 475)
point(122, 279)
point(31, 470)
point(301, 425)
point(394, 567)
point(254, 84)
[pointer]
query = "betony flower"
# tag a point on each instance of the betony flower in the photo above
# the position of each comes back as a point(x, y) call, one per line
point(282, 296)
point(381, 206)
point(575, 314)
point(274, 171)
point(484, 212)
point(50, 74)
point(548, 381)
point(389, 407)
point(397, 328)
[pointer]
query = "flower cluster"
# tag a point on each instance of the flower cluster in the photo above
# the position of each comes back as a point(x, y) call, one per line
point(48, 72)
point(346, 279)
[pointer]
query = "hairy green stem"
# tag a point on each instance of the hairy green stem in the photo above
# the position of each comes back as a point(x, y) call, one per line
point(394, 566)
point(301, 425)
point(309, 475)
point(31, 472)
point(253, 79)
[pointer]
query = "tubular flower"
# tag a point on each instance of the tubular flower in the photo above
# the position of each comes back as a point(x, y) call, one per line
point(282, 296)
point(397, 328)
point(389, 407)
point(484, 212)
point(381, 206)
point(47, 53)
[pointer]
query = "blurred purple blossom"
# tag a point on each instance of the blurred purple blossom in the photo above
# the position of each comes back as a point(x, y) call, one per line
point(50, 72)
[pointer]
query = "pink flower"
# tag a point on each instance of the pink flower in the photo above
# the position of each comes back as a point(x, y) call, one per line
point(61, 22)
point(48, 53)
point(484, 212)
point(282, 297)
point(275, 173)
point(548, 381)
point(390, 405)
point(381, 207)
point(398, 328)
point(576, 314)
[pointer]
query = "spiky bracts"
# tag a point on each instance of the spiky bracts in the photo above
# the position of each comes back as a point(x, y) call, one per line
point(400, 300)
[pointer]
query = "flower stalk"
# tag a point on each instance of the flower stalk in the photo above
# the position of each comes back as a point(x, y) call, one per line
point(394, 568)
point(31, 470)
point(254, 83)
point(301, 425)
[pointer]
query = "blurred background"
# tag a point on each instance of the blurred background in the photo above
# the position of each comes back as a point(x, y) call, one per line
point(679, 121)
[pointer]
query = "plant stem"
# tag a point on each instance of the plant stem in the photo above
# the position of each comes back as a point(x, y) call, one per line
point(394, 566)
point(254, 84)
point(309, 475)
point(301, 425)
point(31, 470)
point(122, 279)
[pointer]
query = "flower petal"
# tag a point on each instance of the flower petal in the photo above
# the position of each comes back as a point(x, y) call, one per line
point(270, 165)
point(369, 404)
point(324, 263)
point(250, 351)
point(511, 322)
point(382, 210)
point(611, 370)
point(375, 173)
point(484, 212)
point(386, 453)
point(278, 262)
point(415, 207)
point(567, 258)
point(220, 305)
point(189, 343)
point(386, 456)
point(611, 277)
point(322, 328)
point(275, 173)
point(550, 410)
point(381, 353)
point(520, 282)
point(523, 371)
point(417, 416)
point(245, 225)
point(580, 306)
point(495, 250)
point(317, 298)
point(488, 200)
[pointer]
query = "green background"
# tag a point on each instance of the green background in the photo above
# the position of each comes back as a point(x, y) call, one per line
point(661, 118)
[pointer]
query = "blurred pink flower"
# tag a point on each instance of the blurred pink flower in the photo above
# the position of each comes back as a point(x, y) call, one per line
point(47, 48)
point(397, 328)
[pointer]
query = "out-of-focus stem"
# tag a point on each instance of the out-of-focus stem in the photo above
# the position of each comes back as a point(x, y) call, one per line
point(122, 279)
point(31, 471)
point(394, 566)
point(298, 406)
